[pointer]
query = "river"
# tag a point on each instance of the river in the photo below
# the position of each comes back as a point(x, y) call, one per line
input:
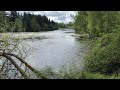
point(56, 49)
point(52, 48)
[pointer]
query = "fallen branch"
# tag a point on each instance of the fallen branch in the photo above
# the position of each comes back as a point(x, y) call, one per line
point(15, 64)
point(30, 67)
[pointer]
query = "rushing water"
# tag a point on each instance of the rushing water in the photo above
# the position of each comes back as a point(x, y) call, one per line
point(56, 49)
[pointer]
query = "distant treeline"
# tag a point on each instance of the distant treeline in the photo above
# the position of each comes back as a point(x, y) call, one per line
point(26, 22)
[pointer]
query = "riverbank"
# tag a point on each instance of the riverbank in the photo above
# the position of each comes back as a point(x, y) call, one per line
point(77, 73)
point(59, 49)
point(24, 35)
point(81, 36)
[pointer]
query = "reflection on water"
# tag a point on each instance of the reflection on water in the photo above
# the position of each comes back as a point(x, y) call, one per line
point(57, 49)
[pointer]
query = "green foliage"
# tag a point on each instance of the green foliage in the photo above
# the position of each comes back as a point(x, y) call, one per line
point(13, 16)
point(89, 75)
point(4, 22)
point(18, 25)
point(95, 23)
point(49, 72)
point(51, 27)
point(62, 25)
point(14, 22)
point(75, 73)
point(38, 28)
point(80, 23)
point(105, 57)
point(36, 23)
point(45, 27)
point(34, 26)
point(103, 27)
point(56, 26)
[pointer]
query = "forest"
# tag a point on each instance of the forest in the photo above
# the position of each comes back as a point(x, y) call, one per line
point(99, 30)
point(26, 22)
point(102, 28)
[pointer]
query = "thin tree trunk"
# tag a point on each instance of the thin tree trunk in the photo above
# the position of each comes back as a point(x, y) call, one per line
point(30, 67)
point(15, 64)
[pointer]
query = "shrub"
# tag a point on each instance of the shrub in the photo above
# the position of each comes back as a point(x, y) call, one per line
point(105, 57)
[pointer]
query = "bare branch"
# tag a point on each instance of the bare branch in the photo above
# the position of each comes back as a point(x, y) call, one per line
point(15, 64)
point(30, 67)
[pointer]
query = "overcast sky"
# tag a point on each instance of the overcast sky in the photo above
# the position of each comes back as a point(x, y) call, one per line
point(57, 16)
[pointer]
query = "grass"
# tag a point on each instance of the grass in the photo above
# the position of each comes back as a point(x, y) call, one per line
point(75, 73)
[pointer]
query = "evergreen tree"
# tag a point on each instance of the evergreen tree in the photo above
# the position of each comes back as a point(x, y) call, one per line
point(51, 27)
point(4, 22)
point(27, 22)
point(33, 24)
point(13, 16)
point(96, 23)
point(45, 27)
point(38, 28)
point(18, 25)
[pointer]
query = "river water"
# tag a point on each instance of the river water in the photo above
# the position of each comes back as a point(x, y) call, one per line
point(56, 49)
point(52, 48)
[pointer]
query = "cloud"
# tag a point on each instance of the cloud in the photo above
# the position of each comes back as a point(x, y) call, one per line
point(58, 16)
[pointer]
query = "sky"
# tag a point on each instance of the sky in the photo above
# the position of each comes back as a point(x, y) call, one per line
point(57, 16)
